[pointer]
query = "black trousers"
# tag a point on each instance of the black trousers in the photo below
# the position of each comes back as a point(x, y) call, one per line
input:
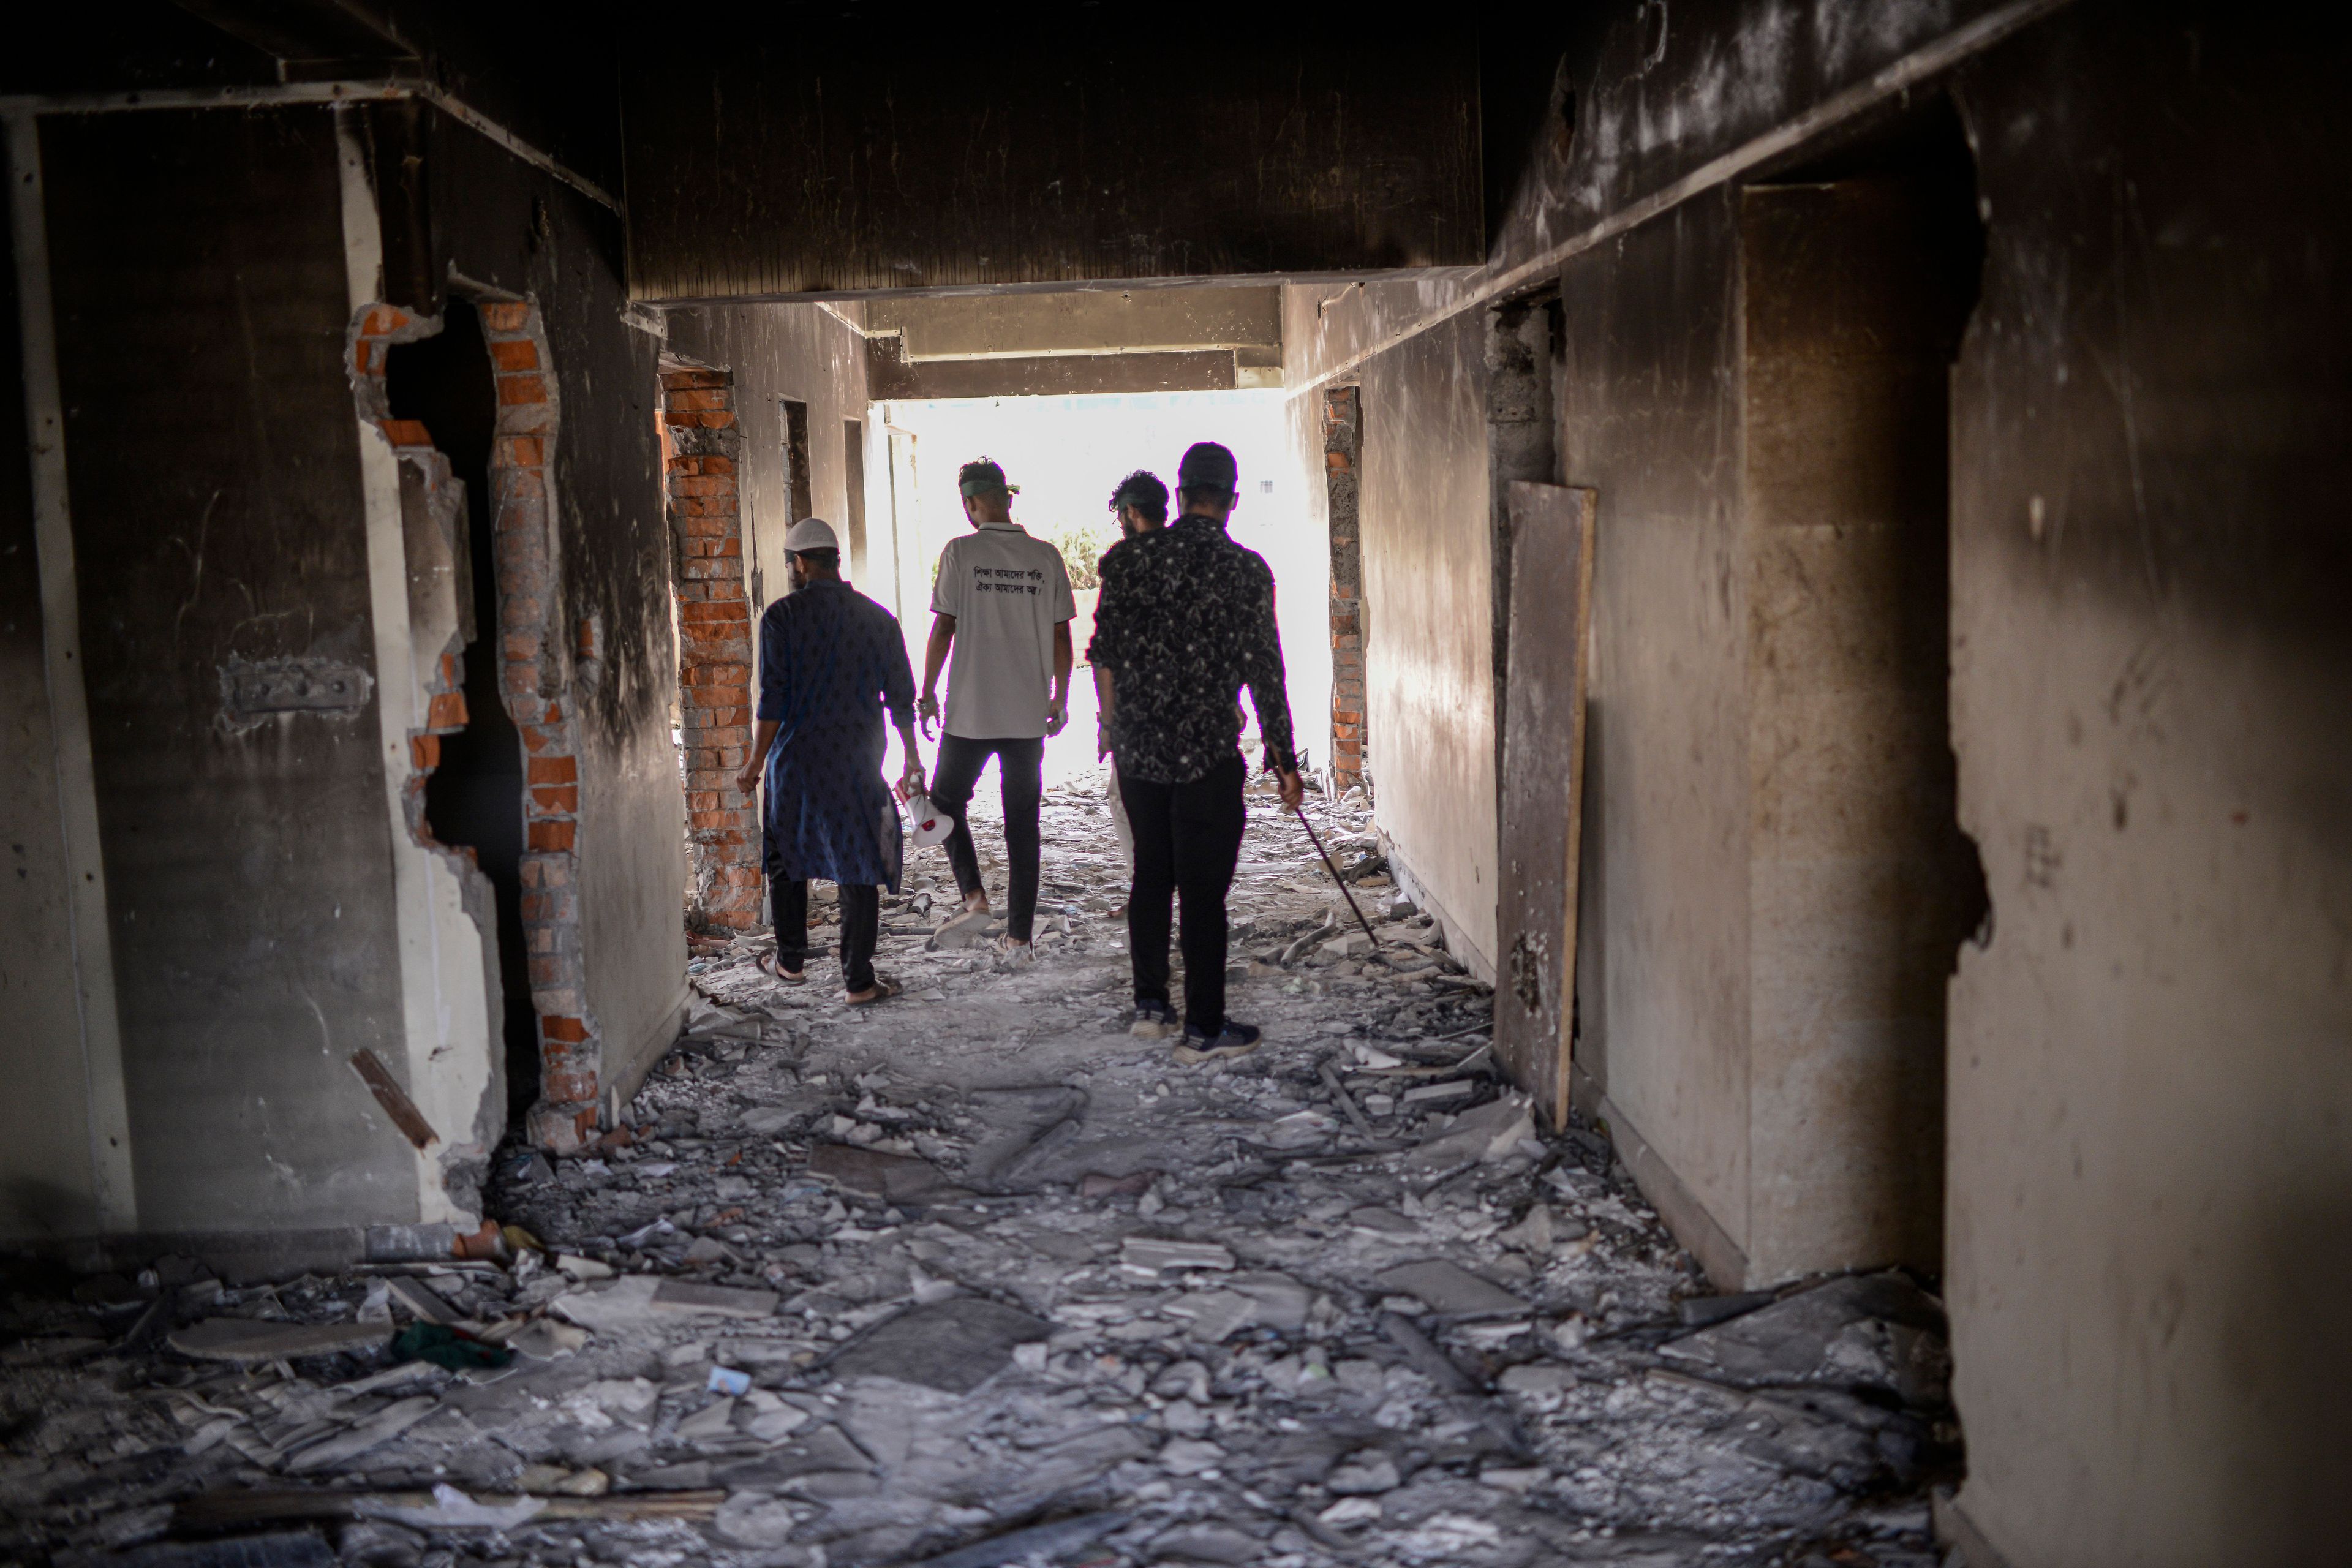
point(861, 927)
point(1188, 838)
point(1020, 777)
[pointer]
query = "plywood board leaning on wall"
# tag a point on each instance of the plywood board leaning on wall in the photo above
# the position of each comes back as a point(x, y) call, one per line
point(1543, 786)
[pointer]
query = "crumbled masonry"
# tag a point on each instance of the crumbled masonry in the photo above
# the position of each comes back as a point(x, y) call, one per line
point(977, 1277)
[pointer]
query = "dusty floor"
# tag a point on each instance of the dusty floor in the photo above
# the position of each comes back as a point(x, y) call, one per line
point(976, 1277)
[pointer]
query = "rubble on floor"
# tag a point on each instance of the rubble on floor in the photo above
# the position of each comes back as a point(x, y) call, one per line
point(977, 1277)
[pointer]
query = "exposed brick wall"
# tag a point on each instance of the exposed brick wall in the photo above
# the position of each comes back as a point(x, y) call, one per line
point(700, 447)
point(1341, 450)
point(534, 681)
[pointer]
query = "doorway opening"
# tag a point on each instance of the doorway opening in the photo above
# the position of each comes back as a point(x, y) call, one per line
point(474, 795)
point(1066, 455)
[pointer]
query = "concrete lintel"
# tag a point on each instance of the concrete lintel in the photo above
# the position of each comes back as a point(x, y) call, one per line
point(894, 380)
point(308, 92)
point(1081, 323)
point(1686, 1216)
point(1054, 286)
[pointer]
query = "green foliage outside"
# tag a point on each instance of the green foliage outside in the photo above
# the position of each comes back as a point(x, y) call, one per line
point(1082, 545)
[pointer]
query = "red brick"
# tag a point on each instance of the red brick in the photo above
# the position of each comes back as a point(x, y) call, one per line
point(554, 770)
point(520, 389)
point(520, 451)
point(519, 353)
point(362, 356)
point(505, 317)
point(384, 319)
point(425, 751)
point(447, 710)
point(553, 834)
point(569, 1085)
point(407, 433)
point(556, 797)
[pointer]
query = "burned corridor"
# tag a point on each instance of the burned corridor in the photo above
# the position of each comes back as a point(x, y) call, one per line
point(1807, 561)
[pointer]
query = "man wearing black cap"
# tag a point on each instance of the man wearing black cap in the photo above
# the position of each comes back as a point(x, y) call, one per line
point(1185, 621)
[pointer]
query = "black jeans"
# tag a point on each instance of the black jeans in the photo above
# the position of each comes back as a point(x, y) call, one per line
point(861, 926)
point(1020, 776)
point(1188, 837)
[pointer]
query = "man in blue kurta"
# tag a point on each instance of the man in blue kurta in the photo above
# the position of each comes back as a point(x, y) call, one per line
point(830, 660)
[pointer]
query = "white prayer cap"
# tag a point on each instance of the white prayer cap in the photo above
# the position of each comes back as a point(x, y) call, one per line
point(811, 533)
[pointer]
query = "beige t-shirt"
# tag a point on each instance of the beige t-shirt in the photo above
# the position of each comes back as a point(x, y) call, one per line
point(1007, 590)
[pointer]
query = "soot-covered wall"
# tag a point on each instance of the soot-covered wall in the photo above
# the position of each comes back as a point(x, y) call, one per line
point(470, 219)
point(2151, 1062)
point(212, 468)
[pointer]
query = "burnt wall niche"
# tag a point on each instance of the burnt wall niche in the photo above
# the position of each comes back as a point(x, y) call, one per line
point(474, 796)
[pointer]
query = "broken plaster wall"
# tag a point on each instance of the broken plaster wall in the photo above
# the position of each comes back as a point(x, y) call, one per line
point(244, 575)
point(464, 216)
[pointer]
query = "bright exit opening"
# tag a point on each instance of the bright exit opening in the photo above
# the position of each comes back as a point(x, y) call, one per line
point(1066, 455)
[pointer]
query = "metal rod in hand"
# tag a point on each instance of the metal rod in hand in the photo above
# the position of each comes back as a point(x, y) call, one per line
point(1300, 812)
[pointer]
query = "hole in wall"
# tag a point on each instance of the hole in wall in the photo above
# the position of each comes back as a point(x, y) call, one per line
point(474, 796)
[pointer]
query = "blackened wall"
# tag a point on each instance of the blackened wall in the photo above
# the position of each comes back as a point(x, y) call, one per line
point(197, 265)
point(2147, 1079)
point(2151, 1063)
point(1650, 420)
point(48, 1187)
point(480, 219)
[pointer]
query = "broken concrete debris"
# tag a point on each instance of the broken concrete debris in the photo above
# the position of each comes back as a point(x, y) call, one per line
point(247, 1340)
point(980, 1283)
point(953, 1345)
point(1153, 1254)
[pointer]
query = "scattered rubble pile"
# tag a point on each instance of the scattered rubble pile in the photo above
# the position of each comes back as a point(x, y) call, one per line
point(978, 1279)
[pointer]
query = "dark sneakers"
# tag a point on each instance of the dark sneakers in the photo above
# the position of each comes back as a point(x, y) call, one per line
point(1233, 1040)
point(1153, 1021)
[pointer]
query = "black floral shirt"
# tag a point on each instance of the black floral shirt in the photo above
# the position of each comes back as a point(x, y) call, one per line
point(1185, 621)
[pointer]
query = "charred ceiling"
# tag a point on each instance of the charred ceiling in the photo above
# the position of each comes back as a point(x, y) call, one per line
point(1069, 146)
